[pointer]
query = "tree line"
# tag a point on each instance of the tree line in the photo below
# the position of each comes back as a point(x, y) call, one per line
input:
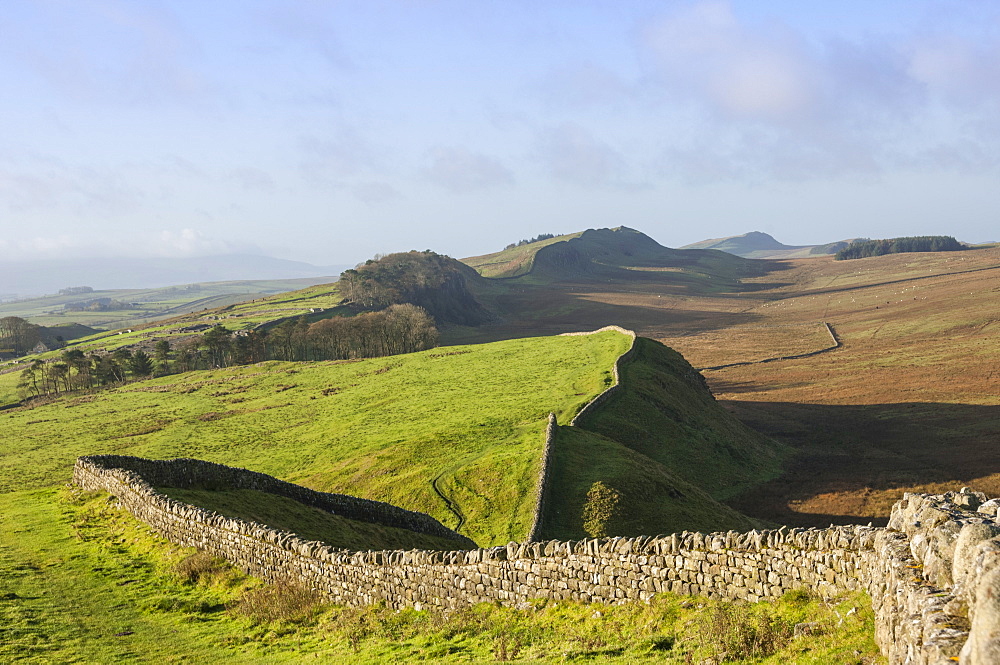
point(860, 249)
point(397, 329)
point(17, 336)
point(528, 241)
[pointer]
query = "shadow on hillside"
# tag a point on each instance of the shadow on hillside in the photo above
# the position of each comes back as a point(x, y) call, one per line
point(851, 462)
point(540, 311)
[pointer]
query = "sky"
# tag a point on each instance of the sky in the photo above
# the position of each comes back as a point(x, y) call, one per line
point(329, 131)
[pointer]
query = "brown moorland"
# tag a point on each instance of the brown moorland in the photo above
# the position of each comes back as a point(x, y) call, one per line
point(907, 400)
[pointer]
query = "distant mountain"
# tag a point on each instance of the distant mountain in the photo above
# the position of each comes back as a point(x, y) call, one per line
point(33, 278)
point(758, 245)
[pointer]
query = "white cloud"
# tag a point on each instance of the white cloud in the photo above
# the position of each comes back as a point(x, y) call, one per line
point(762, 101)
point(191, 242)
point(375, 192)
point(462, 170)
point(572, 154)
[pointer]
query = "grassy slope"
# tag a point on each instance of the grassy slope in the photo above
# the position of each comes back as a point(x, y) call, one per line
point(153, 304)
point(668, 449)
point(84, 583)
point(514, 261)
point(238, 312)
point(669, 416)
point(470, 417)
point(652, 499)
point(310, 523)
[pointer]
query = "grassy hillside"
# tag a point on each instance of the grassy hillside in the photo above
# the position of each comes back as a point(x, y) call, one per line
point(668, 415)
point(83, 582)
point(466, 420)
point(149, 304)
point(665, 448)
point(515, 261)
point(651, 499)
point(306, 521)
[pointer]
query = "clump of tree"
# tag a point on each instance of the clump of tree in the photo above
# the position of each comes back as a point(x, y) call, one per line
point(434, 282)
point(75, 290)
point(76, 371)
point(860, 249)
point(99, 305)
point(528, 241)
point(17, 336)
point(397, 329)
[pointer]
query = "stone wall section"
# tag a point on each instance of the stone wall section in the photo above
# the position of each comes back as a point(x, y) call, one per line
point(543, 488)
point(749, 566)
point(592, 405)
point(933, 574)
point(132, 480)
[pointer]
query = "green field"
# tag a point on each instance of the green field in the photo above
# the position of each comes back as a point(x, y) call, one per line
point(83, 582)
point(151, 304)
point(310, 523)
point(469, 420)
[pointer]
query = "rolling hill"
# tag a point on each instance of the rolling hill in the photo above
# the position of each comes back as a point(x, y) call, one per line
point(466, 423)
point(759, 245)
point(917, 329)
point(135, 307)
point(22, 279)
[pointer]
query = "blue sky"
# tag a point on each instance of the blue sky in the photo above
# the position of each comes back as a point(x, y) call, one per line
point(330, 131)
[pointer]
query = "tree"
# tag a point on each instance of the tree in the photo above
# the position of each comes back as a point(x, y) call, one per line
point(600, 509)
point(161, 353)
point(140, 364)
point(217, 340)
point(78, 362)
point(17, 336)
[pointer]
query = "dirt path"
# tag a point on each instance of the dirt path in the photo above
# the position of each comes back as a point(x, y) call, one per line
point(451, 505)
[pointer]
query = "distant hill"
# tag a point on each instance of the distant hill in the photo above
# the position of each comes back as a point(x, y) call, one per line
point(758, 245)
point(126, 308)
point(599, 254)
point(34, 278)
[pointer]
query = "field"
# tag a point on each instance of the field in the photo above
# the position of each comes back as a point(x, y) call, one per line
point(149, 304)
point(468, 421)
point(908, 402)
point(83, 582)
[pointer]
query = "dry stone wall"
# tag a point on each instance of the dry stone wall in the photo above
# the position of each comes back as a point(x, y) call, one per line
point(592, 405)
point(542, 489)
point(933, 574)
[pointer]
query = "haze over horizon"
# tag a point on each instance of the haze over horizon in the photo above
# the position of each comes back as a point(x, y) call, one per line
point(326, 132)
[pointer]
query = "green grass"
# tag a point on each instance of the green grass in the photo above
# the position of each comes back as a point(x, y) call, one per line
point(306, 521)
point(668, 416)
point(83, 582)
point(155, 303)
point(515, 261)
point(472, 418)
point(652, 500)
